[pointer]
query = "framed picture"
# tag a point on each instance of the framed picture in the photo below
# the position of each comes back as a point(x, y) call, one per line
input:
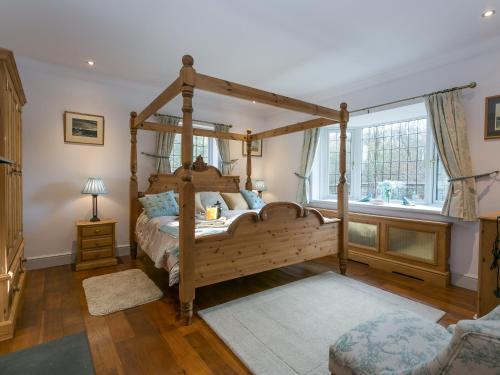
point(256, 148)
point(492, 117)
point(83, 128)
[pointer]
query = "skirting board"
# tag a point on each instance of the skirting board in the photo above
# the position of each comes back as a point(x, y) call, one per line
point(466, 281)
point(52, 260)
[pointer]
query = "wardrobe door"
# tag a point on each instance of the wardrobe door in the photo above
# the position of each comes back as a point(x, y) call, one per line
point(10, 195)
point(4, 170)
point(12, 274)
point(16, 176)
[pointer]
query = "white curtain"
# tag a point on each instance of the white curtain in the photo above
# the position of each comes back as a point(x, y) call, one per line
point(165, 144)
point(447, 120)
point(224, 150)
point(309, 146)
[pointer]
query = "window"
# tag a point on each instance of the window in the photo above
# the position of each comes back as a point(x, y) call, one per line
point(399, 154)
point(394, 152)
point(203, 146)
point(333, 160)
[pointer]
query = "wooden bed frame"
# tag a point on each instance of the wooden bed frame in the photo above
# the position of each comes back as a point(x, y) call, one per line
point(283, 233)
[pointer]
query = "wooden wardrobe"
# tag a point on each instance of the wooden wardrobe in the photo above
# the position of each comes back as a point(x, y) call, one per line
point(12, 273)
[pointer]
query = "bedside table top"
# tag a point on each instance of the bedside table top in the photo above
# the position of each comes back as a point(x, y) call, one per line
point(82, 223)
point(490, 216)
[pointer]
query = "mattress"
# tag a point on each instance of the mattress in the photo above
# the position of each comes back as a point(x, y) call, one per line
point(158, 238)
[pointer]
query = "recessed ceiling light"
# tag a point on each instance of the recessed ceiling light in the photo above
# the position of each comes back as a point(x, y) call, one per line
point(90, 62)
point(253, 102)
point(488, 13)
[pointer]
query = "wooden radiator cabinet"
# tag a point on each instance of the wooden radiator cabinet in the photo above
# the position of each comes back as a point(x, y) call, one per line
point(487, 283)
point(433, 270)
point(12, 273)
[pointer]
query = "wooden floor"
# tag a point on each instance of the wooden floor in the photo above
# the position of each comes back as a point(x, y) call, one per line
point(151, 340)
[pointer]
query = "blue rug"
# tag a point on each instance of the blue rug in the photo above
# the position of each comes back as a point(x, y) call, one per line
point(68, 355)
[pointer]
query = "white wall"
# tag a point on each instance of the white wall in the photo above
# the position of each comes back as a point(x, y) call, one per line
point(54, 172)
point(284, 151)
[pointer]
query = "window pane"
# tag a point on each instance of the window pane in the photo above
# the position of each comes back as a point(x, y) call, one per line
point(333, 160)
point(440, 180)
point(200, 147)
point(394, 154)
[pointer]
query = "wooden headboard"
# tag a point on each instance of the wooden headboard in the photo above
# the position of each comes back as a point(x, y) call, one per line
point(210, 179)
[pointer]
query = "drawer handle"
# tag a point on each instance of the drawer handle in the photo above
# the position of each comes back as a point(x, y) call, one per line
point(97, 231)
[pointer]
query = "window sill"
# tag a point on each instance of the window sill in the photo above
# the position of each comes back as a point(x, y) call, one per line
point(387, 209)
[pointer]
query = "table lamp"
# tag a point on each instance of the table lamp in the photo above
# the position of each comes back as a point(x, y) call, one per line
point(94, 186)
point(260, 186)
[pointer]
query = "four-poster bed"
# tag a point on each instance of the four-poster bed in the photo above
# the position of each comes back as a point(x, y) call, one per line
point(281, 234)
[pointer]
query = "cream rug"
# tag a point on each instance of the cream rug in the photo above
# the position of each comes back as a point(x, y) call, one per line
point(113, 292)
point(289, 329)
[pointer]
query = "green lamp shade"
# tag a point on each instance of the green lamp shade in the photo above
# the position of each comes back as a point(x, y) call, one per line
point(259, 185)
point(95, 186)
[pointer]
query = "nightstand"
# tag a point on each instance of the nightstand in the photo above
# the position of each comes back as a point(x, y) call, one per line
point(95, 244)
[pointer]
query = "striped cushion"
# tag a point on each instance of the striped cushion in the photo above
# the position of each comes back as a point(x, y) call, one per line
point(235, 201)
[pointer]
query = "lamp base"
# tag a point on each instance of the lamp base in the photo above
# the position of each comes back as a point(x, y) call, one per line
point(94, 209)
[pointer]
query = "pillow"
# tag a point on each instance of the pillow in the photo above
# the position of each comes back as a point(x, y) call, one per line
point(253, 200)
point(235, 201)
point(197, 202)
point(162, 204)
point(209, 198)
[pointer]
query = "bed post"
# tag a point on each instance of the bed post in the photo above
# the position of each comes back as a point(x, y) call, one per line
point(248, 183)
point(133, 189)
point(342, 192)
point(186, 194)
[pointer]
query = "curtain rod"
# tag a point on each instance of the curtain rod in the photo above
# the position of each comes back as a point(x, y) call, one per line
point(196, 121)
point(469, 86)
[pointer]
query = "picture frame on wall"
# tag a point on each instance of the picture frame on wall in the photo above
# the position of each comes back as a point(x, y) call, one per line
point(492, 117)
point(83, 128)
point(256, 149)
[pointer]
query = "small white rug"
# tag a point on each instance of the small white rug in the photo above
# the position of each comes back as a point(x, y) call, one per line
point(117, 291)
point(289, 329)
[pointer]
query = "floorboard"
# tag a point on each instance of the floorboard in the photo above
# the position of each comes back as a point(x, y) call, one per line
point(151, 339)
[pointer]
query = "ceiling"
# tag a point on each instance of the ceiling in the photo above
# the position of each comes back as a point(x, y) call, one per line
point(297, 48)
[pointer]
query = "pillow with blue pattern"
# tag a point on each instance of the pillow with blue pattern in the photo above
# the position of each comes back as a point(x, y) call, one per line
point(253, 200)
point(163, 204)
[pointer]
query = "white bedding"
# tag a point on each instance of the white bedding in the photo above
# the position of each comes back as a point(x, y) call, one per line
point(163, 248)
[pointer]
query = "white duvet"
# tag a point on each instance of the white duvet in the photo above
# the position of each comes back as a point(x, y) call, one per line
point(162, 245)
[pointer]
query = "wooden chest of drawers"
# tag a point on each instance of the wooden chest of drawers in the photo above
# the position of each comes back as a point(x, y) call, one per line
point(96, 244)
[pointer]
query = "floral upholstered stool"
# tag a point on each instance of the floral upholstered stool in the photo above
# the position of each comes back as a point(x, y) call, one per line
point(402, 342)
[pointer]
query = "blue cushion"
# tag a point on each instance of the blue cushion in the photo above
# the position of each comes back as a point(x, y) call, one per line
point(253, 200)
point(163, 204)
